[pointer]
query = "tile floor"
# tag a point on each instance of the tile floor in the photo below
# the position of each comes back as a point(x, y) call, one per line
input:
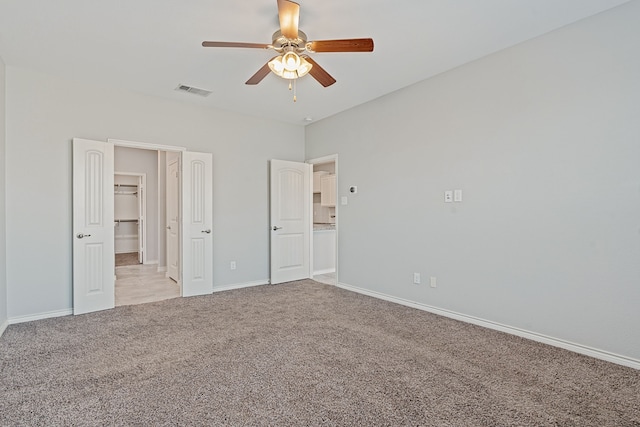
point(329, 279)
point(138, 284)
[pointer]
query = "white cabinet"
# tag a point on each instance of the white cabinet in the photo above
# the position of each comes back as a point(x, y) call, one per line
point(317, 176)
point(328, 190)
point(324, 251)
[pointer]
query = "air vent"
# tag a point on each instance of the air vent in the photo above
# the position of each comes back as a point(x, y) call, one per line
point(193, 90)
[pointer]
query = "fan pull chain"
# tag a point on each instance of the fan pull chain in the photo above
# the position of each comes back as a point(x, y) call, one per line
point(292, 84)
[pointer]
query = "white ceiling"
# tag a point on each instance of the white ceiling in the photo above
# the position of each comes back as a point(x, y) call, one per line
point(152, 46)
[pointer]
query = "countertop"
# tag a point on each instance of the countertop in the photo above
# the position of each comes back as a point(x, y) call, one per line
point(323, 227)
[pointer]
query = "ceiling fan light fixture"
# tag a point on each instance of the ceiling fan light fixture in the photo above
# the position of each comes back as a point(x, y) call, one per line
point(304, 68)
point(290, 66)
point(290, 61)
point(276, 65)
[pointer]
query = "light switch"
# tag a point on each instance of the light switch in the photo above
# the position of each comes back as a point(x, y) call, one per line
point(344, 201)
point(457, 195)
point(448, 196)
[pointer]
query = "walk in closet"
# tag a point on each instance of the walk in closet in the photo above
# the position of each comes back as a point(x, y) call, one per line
point(129, 214)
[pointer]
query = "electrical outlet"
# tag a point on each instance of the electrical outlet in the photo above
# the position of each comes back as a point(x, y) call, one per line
point(448, 196)
point(416, 278)
point(232, 265)
point(432, 282)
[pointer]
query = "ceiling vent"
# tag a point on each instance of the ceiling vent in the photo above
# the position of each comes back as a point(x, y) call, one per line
point(193, 90)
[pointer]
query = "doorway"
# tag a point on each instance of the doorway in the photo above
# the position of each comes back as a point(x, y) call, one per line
point(138, 205)
point(304, 220)
point(94, 222)
point(325, 219)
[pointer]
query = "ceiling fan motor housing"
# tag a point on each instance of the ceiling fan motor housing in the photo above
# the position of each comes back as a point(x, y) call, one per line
point(281, 43)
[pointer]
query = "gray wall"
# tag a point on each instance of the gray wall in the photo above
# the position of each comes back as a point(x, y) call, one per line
point(44, 113)
point(132, 160)
point(544, 140)
point(3, 256)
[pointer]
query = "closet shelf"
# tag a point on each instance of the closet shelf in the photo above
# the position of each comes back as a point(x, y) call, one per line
point(123, 191)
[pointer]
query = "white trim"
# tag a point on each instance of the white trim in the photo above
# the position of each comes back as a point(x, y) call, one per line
point(319, 160)
point(326, 159)
point(144, 145)
point(3, 327)
point(162, 269)
point(40, 316)
point(545, 339)
point(151, 262)
point(240, 286)
point(325, 271)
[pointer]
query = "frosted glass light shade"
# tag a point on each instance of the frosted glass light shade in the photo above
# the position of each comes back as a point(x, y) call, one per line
point(290, 66)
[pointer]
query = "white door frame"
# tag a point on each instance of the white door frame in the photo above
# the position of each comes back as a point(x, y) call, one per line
point(319, 160)
point(155, 147)
point(152, 147)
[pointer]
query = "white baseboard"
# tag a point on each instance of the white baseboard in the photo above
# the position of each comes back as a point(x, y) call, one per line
point(151, 261)
point(40, 316)
point(325, 271)
point(162, 269)
point(556, 342)
point(240, 285)
point(3, 327)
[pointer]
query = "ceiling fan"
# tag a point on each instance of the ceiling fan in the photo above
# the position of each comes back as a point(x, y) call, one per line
point(290, 43)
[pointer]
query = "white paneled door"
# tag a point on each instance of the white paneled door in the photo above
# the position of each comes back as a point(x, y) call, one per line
point(93, 226)
point(197, 217)
point(290, 192)
point(172, 219)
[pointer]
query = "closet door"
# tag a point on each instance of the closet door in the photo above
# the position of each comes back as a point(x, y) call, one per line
point(290, 206)
point(93, 226)
point(197, 221)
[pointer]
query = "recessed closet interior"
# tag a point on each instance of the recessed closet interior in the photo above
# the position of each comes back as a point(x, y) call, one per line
point(129, 215)
point(140, 209)
point(136, 204)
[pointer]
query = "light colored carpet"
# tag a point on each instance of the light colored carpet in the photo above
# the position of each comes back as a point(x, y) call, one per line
point(301, 354)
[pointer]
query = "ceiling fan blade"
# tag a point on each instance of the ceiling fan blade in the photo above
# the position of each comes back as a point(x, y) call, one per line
point(319, 73)
point(345, 45)
point(260, 74)
point(236, 44)
point(289, 15)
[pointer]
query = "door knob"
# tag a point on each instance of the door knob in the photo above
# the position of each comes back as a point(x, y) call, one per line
point(276, 228)
point(80, 235)
point(168, 227)
point(208, 231)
